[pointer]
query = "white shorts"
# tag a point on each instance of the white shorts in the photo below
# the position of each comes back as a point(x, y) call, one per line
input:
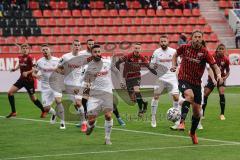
point(74, 97)
point(171, 85)
point(48, 97)
point(101, 103)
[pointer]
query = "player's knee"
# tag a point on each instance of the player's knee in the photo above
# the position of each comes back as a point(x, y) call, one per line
point(175, 97)
point(156, 97)
point(47, 108)
point(58, 100)
point(10, 93)
point(33, 98)
point(108, 116)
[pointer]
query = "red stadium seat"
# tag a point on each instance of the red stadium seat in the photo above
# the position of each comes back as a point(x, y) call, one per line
point(99, 21)
point(173, 45)
point(164, 20)
point(21, 40)
point(66, 31)
point(147, 21)
point(62, 5)
point(206, 37)
point(32, 40)
point(211, 46)
point(139, 38)
point(57, 31)
point(223, 4)
point(141, 13)
point(42, 22)
point(170, 29)
point(131, 13)
point(86, 13)
point(188, 29)
point(82, 38)
point(36, 49)
point(79, 22)
point(120, 38)
point(53, 4)
point(15, 49)
point(33, 4)
point(95, 30)
point(2, 40)
point(57, 49)
point(61, 22)
point(178, 12)
point(89, 22)
point(207, 29)
point(160, 13)
point(213, 37)
point(136, 4)
point(109, 21)
point(76, 13)
point(104, 13)
point(105, 30)
point(183, 20)
point(142, 29)
point(99, 4)
point(46, 31)
point(101, 39)
point(196, 12)
point(66, 48)
point(115, 30)
point(111, 38)
point(201, 20)
point(174, 38)
point(137, 21)
point(76, 31)
point(113, 13)
point(52, 40)
point(41, 39)
point(156, 21)
point(117, 21)
point(187, 12)
point(47, 13)
point(66, 13)
point(173, 20)
point(180, 29)
point(57, 13)
point(95, 13)
point(85, 30)
point(192, 20)
point(127, 21)
point(5, 49)
point(123, 13)
point(123, 30)
point(52, 22)
point(152, 29)
point(70, 39)
point(151, 13)
point(61, 39)
point(37, 13)
point(226, 12)
point(161, 30)
point(169, 12)
point(133, 29)
point(70, 22)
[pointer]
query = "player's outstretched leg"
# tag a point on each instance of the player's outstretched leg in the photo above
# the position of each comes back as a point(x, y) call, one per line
point(11, 99)
point(154, 105)
point(90, 124)
point(60, 114)
point(108, 127)
point(38, 104)
point(116, 113)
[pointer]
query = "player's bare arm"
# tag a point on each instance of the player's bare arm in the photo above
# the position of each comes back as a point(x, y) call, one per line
point(174, 63)
point(14, 69)
point(217, 71)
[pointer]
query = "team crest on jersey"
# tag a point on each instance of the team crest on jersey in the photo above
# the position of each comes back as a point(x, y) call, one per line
point(139, 61)
point(222, 63)
point(200, 54)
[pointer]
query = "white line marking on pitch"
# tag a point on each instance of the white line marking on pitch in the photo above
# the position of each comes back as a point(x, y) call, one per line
point(117, 151)
point(135, 131)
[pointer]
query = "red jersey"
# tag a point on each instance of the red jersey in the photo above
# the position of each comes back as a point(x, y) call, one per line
point(193, 63)
point(132, 66)
point(223, 64)
point(25, 64)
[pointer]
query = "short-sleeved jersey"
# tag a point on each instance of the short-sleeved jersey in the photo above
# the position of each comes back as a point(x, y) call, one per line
point(25, 64)
point(193, 63)
point(164, 58)
point(102, 81)
point(46, 68)
point(133, 64)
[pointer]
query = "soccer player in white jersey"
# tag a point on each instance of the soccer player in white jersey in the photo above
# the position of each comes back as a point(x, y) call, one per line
point(163, 57)
point(44, 68)
point(73, 74)
point(101, 96)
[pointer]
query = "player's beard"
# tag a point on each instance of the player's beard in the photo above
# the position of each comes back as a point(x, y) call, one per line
point(97, 58)
point(197, 45)
point(164, 47)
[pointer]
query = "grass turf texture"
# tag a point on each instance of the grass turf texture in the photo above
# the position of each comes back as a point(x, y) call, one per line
point(35, 140)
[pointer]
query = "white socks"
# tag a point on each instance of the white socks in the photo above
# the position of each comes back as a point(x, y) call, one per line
point(52, 111)
point(108, 128)
point(154, 105)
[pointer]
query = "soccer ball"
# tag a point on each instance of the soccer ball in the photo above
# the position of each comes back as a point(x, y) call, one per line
point(173, 114)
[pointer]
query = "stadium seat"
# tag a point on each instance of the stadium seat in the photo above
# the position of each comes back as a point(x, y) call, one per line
point(127, 21)
point(105, 30)
point(58, 31)
point(223, 4)
point(47, 13)
point(142, 29)
point(173, 21)
point(183, 20)
point(136, 4)
point(5, 49)
point(187, 12)
point(201, 21)
point(82, 38)
point(32, 40)
point(21, 40)
point(151, 13)
point(123, 30)
point(86, 13)
point(99, 4)
point(131, 12)
point(70, 39)
point(192, 20)
point(76, 13)
point(146, 21)
point(206, 37)
point(79, 22)
point(2, 40)
point(115, 30)
point(53, 4)
point(101, 39)
point(104, 13)
point(169, 12)
point(156, 21)
point(52, 22)
point(170, 29)
point(36, 31)
point(188, 29)
point(95, 30)
point(61, 39)
point(141, 13)
point(161, 30)
point(57, 49)
point(139, 38)
point(178, 12)
point(99, 21)
point(33, 4)
point(85, 30)
point(36, 49)
point(196, 12)
point(17, 31)
point(133, 30)
point(66, 13)
point(11, 40)
point(76, 31)
point(180, 29)
point(164, 20)
point(95, 13)
point(61, 22)
point(213, 37)
point(71, 22)
point(57, 13)
point(111, 38)
point(207, 29)
point(52, 40)
point(41, 39)
point(66, 31)
point(137, 21)
point(110, 21)
point(62, 5)
point(113, 13)
point(66, 48)
point(123, 13)
point(42, 22)
point(117, 21)
point(37, 13)
point(46, 31)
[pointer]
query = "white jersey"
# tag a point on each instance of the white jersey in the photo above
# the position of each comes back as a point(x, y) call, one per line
point(164, 58)
point(84, 68)
point(72, 68)
point(103, 79)
point(46, 68)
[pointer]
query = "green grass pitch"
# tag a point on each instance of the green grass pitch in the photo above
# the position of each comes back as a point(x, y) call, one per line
point(29, 137)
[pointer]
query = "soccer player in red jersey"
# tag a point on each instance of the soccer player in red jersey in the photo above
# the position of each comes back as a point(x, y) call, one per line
point(25, 80)
point(132, 67)
point(223, 63)
point(194, 58)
